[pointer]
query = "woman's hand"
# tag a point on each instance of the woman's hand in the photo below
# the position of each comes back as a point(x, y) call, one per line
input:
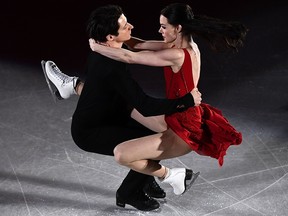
point(196, 96)
point(94, 46)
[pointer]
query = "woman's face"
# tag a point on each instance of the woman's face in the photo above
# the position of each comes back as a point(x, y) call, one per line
point(168, 31)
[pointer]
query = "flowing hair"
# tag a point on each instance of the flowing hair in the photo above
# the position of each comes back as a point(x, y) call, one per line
point(220, 34)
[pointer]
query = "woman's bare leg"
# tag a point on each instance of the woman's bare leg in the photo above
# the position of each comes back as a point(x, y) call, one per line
point(139, 154)
point(154, 123)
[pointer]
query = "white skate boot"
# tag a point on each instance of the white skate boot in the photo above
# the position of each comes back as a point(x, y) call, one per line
point(180, 179)
point(64, 84)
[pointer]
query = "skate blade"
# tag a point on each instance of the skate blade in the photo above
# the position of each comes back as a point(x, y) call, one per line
point(52, 90)
point(189, 185)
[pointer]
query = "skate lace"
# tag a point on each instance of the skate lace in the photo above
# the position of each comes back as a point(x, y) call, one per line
point(61, 76)
point(155, 186)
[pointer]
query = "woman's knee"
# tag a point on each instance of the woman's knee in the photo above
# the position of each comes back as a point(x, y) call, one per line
point(120, 156)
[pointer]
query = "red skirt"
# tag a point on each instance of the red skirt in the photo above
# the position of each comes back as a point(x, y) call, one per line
point(205, 130)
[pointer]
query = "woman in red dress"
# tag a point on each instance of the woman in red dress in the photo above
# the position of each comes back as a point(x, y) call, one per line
point(203, 128)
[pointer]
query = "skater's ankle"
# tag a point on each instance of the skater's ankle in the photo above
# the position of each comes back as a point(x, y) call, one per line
point(165, 175)
point(78, 86)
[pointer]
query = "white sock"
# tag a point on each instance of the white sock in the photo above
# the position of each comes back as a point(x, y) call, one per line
point(167, 173)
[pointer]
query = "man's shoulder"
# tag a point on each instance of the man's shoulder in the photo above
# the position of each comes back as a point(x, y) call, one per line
point(104, 65)
point(105, 61)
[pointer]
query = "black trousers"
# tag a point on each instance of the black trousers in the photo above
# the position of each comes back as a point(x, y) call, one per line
point(103, 139)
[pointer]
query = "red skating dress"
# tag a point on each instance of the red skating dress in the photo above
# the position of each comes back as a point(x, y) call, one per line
point(203, 127)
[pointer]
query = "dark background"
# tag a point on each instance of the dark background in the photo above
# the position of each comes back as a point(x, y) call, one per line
point(55, 30)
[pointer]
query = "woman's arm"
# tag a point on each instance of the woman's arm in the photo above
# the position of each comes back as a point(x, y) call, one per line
point(154, 123)
point(166, 57)
point(122, 81)
point(140, 44)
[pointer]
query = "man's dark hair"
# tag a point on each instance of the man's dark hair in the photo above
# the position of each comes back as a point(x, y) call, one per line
point(104, 21)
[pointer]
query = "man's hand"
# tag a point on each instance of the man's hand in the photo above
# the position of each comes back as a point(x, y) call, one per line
point(196, 96)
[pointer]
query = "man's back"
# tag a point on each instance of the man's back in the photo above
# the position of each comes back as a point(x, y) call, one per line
point(101, 97)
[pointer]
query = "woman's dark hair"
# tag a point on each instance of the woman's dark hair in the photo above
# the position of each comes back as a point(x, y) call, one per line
point(104, 21)
point(220, 34)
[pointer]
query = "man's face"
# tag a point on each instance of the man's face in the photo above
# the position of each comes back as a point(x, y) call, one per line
point(124, 30)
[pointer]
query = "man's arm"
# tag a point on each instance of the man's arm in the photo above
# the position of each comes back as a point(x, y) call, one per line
point(145, 104)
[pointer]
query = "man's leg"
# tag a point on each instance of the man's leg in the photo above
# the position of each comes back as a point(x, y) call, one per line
point(149, 185)
point(102, 140)
point(153, 189)
point(131, 192)
point(66, 86)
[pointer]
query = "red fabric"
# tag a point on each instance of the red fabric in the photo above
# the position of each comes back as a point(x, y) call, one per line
point(203, 128)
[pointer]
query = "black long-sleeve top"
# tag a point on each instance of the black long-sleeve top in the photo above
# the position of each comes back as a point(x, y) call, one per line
point(110, 93)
